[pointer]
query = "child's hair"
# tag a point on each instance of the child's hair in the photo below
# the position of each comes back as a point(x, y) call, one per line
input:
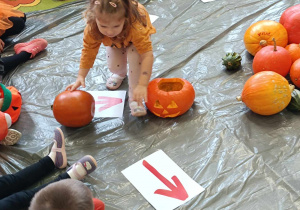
point(67, 194)
point(126, 8)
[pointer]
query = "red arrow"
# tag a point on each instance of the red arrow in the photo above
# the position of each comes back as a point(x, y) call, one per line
point(108, 101)
point(177, 191)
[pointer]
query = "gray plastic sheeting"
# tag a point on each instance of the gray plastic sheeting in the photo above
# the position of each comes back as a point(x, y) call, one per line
point(244, 160)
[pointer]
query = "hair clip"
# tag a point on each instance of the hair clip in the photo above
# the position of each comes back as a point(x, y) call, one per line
point(112, 4)
point(97, 2)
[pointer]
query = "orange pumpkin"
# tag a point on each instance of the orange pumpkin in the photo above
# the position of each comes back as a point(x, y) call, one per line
point(290, 19)
point(266, 93)
point(170, 97)
point(272, 58)
point(260, 34)
point(74, 108)
point(295, 73)
point(294, 50)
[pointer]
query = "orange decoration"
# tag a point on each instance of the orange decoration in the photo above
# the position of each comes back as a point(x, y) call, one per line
point(170, 97)
point(290, 19)
point(295, 73)
point(74, 109)
point(272, 58)
point(261, 33)
point(294, 50)
point(266, 93)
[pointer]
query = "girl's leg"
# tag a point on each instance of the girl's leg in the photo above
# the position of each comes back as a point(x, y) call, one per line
point(134, 60)
point(117, 64)
point(79, 170)
point(22, 199)
point(12, 183)
point(11, 62)
point(18, 26)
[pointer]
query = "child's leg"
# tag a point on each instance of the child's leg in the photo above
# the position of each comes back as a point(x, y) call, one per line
point(22, 199)
point(18, 26)
point(117, 64)
point(134, 60)
point(78, 170)
point(12, 183)
point(11, 62)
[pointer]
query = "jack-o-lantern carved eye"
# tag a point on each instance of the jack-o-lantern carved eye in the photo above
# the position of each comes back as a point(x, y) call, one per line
point(158, 105)
point(14, 108)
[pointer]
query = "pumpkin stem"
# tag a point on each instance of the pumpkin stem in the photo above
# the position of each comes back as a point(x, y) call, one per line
point(275, 48)
point(239, 98)
point(292, 87)
point(263, 43)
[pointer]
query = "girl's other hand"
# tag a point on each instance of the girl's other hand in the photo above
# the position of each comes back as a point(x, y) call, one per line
point(140, 93)
point(1, 46)
point(80, 81)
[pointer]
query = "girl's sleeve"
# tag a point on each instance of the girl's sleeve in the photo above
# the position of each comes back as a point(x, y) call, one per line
point(141, 34)
point(89, 51)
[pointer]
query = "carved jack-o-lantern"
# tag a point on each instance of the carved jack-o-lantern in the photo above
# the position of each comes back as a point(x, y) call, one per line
point(12, 101)
point(170, 97)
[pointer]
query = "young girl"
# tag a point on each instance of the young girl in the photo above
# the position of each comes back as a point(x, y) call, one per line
point(124, 27)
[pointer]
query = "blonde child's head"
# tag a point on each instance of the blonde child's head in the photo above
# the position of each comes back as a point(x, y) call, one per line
point(116, 14)
point(67, 194)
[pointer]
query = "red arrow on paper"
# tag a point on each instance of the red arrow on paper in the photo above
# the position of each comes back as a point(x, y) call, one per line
point(176, 191)
point(108, 101)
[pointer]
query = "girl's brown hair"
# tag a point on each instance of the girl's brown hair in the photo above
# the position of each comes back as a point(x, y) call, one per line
point(128, 8)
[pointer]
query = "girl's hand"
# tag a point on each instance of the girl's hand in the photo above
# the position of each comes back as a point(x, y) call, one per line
point(1, 46)
point(140, 94)
point(80, 81)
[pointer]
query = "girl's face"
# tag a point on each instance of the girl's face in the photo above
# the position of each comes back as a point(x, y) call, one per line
point(110, 25)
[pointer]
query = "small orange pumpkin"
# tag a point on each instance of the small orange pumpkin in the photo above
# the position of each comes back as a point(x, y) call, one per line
point(295, 73)
point(170, 97)
point(266, 93)
point(260, 34)
point(294, 50)
point(74, 108)
point(290, 19)
point(272, 58)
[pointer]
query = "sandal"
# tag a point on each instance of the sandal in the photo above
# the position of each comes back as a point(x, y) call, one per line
point(137, 110)
point(61, 156)
point(114, 82)
point(88, 163)
point(12, 137)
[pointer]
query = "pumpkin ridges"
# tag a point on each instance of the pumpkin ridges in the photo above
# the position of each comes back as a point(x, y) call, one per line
point(266, 93)
point(264, 30)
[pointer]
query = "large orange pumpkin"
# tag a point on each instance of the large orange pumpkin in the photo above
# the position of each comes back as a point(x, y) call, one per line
point(294, 50)
point(266, 93)
point(272, 58)
point(74, 108)
point(261, 33)
point(295, 73)
point(170, 97)
point(290, 19)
